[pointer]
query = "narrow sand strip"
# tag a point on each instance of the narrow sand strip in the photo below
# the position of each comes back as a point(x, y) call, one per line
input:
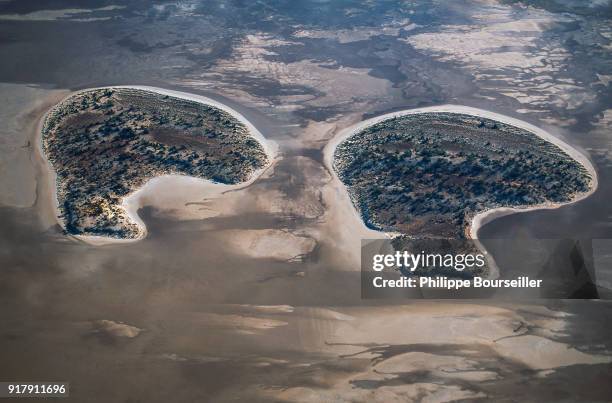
point(164, 184)
point(486, 216)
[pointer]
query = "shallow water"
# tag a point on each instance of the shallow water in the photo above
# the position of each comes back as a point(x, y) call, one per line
point(198, 299)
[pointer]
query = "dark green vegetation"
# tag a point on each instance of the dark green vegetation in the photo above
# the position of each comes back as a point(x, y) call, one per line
point(106, 143)
point(428, 174)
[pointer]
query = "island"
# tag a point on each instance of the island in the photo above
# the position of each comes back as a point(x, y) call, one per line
point(104, 144)
point(427, 175)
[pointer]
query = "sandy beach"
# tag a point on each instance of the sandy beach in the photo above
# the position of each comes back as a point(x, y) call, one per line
point(343, 213)
point(161, 191)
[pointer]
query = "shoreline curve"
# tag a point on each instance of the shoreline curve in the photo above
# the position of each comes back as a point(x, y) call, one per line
point(130, 202)
point(483, 217)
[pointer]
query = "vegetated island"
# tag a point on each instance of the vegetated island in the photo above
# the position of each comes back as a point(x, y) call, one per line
point(105, 143)
point(427, 175)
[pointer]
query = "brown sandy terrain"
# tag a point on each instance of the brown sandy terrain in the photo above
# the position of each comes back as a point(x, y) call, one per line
point(213, 297)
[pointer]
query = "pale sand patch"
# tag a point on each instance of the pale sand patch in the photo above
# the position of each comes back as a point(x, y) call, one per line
point(324, 313)
point(182, 197)
point(199, 359)
point(354, 34)
point(339, 85)
point(46, 200)
point(444, 366)
point(509, 56)
point(426, 323)
point(604, 79)
point(549, 323)
point(345, 392)
point(605, 118)
point(486, 216)
point(21, 107)
point(116, 329)
point(269, 243)
point(458, 324)
point(174, 195)
point(269, 309)
point(484, 46)
point(266, 362)
point(471, 340)
point(237, 323)
point(165, 189)
point(542, 353)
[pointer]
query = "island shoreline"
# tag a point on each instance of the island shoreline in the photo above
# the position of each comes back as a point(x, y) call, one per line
point(483, 217)
point(130, 202)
